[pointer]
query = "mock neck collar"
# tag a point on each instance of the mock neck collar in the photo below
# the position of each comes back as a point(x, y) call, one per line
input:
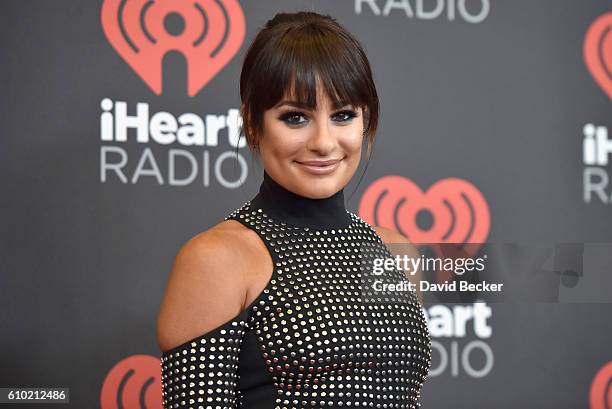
point(293, 209)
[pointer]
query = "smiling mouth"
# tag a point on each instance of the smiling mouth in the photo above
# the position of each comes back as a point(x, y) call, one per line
point(320, 167)
point(320, 163)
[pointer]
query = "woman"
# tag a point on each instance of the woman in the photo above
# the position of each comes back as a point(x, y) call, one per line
point(266, 308)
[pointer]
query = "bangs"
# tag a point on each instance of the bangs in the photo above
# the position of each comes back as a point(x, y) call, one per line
point(309, 58)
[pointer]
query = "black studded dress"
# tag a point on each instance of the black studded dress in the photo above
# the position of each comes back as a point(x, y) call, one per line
point(313, 338)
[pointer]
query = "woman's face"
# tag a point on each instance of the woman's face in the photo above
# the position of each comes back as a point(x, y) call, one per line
point(312, 153)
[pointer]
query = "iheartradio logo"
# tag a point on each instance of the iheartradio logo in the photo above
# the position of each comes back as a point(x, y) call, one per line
point(134, 382)
point(209, 35)
point(597, 51)
point(451, 211)
point(454, 210)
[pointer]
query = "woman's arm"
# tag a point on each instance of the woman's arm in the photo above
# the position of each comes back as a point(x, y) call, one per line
point(200, 323)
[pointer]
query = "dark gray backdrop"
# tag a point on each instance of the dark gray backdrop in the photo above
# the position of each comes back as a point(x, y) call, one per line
point(500, 103)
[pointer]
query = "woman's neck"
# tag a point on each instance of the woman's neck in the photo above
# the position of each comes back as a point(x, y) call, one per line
point(291, 208)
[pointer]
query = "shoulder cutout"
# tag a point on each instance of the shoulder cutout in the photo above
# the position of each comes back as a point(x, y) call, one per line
point(206, 286)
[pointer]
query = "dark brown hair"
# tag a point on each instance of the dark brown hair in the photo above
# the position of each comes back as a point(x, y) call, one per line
point(291, 52)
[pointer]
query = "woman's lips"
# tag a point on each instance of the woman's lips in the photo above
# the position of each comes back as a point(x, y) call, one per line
point(320, 167)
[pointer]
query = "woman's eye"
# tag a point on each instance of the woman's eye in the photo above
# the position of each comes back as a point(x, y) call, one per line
point(347, 115)
point(291, 118)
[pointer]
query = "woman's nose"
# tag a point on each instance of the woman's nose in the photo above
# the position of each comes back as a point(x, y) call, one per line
point(322, 139)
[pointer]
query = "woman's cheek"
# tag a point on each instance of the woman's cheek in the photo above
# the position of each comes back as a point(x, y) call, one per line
point(354, 141)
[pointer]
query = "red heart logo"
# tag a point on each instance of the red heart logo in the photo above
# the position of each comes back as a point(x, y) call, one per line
point(458, 210)
point(600, 394)
point(597, 51)
point(134, 382)
point(211, 34)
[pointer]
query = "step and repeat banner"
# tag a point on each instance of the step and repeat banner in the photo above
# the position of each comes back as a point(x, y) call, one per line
point(121, 141)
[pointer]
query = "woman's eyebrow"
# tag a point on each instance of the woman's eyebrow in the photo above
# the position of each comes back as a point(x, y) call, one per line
point(298, 104)
point(295, 104)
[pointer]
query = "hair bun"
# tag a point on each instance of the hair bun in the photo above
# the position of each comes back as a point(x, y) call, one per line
point(303, 17)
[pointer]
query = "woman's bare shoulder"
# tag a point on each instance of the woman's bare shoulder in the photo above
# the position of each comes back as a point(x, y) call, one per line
point(207, 284)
